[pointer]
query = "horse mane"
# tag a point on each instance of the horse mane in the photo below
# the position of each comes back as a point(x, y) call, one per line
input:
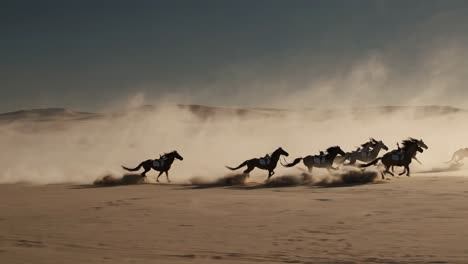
point(332, 148)
point(407, 143)
point(167, 153)
point(274, 151)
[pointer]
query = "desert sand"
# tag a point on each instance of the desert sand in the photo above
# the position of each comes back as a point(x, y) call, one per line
point(421, 219)
point(51, 212)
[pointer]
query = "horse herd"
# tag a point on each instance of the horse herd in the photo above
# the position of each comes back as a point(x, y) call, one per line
point(367, 154)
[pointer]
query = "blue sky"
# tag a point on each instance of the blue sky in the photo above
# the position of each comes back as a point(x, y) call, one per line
point(88, 54)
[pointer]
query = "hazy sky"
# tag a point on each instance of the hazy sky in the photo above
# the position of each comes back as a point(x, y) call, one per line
point(89, 55)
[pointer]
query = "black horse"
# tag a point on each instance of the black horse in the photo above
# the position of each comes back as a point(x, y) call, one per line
point(325, 161)
point(400, 158)
point(362, 154)
point(265, 163)
point(163, 164)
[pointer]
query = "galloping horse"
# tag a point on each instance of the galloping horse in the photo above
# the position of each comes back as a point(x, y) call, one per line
point(163, 164)
point(364, 156)
point(400, 158)
point(458, 156)
point(268, 164)
point(317, 161)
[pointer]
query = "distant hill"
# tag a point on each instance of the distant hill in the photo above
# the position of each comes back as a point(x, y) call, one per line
point(209, 112)
point(45, 114)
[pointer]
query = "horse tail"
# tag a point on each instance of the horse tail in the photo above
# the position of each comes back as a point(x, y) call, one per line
point(296, 161)
point(134, 169)
point(238, 167)
point(370, 163)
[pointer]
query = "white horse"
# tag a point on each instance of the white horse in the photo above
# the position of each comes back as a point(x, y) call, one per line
point(458, 156)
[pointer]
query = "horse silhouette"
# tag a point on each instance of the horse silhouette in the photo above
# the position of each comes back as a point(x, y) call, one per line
point(266, 163)
point(318, 161)
point(163, 164)
point(363, 155)
point(400, 158)
point(458, 156)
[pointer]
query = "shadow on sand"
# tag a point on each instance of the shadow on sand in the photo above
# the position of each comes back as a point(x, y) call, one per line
point(113, 181)
point(225, 181)
point(348, 177)
point(342, 178)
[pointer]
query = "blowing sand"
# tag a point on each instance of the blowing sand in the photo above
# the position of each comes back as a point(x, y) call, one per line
point(422, 219)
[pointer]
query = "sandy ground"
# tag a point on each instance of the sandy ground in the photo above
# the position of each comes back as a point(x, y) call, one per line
point(406, 220)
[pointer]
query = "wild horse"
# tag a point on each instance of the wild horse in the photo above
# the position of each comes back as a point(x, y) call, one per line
point(318, 161)
point(400, 158)
point(163, 164)
point(458, 156)
point(266, 163)
point(374, 147)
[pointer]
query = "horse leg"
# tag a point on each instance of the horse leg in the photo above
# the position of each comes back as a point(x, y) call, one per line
point(388, 171)
point(404, 171)
point(407, 169)
point(159, 175)
point(144, 173)
point(249, 169)
point(167, 176)
point(310, 169)
point(270, 173)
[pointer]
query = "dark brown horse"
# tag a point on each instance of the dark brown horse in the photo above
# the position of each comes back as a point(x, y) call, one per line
point(163, 164)
point(400, 158)
point(265, 163)
point(325, 161)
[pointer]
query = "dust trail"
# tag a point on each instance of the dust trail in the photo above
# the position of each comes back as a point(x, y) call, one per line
point(112, 180)
point(348, 176)
point(448, 168)
point(228, 180)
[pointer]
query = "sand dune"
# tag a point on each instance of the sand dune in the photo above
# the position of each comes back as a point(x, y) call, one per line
point(207, 112)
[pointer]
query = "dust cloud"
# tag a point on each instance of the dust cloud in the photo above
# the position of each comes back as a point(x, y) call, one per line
point(79, 151)
point(78, 148)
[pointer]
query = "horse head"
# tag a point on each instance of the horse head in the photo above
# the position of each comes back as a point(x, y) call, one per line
point(411, 144)
point(380, 144)
point(336, 150)
point(419, 149)
point(421, 143)
point(177, 155)
point(280, 151)
point(418, 142)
